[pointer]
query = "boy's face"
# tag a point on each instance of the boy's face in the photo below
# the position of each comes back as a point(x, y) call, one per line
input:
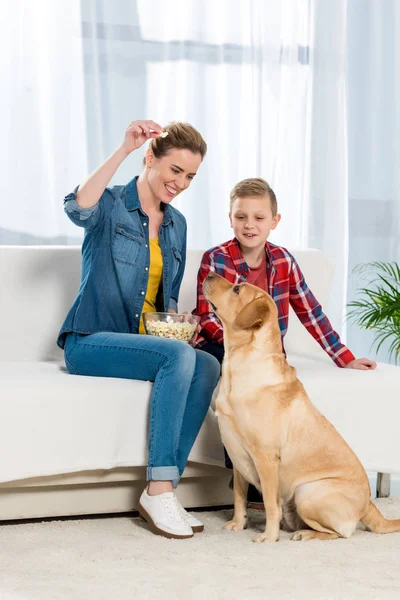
point(252, 220)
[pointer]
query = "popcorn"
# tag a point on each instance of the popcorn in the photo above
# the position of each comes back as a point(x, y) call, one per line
point(177, 331)
point(163, 134)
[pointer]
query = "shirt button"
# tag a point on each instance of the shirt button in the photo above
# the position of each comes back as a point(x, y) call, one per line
point(136, 316)
point(147, 268)
point(147, 246)
point(142, 293)
point(145, 223)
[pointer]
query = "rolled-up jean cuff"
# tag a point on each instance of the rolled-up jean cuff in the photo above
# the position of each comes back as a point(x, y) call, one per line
point(163, 474)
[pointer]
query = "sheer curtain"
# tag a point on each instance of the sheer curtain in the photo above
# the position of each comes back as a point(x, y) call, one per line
point(42, 118)
point(328, 206)
point(374, 142)
point(238, 71)
point(263, 81)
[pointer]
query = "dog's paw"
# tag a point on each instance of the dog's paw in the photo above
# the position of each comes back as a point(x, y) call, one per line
point(303, 535)
point(235, 525)
point(264, 537)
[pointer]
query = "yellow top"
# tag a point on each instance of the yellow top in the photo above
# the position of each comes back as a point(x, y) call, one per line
point(155, 276)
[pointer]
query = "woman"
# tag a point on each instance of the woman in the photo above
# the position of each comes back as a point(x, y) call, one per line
point(133, 261)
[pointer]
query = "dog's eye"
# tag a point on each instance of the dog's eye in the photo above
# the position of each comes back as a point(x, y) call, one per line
point(236, 289)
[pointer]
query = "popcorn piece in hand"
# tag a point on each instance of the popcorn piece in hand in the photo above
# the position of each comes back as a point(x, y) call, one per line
point(163, 134)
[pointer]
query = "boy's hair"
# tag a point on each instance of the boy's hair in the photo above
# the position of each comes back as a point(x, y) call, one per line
point(181, 136)
point(254, 186)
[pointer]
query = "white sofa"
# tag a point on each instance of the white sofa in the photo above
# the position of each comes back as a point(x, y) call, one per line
point(77, 445)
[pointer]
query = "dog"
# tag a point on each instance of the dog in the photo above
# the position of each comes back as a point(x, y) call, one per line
point(312, 482)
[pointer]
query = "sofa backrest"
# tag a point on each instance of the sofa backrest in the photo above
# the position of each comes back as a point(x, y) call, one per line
point(39, 284)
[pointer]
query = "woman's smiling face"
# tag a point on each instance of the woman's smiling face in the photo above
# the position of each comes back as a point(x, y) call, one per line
point(170, 175)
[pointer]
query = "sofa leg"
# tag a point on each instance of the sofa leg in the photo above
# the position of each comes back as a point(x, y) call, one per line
point(383, 485)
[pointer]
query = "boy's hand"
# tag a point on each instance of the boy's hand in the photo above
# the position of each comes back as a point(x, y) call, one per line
point(198, 328)
point(364, 364)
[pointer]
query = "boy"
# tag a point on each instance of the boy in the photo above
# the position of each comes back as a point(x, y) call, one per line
point(250, 257)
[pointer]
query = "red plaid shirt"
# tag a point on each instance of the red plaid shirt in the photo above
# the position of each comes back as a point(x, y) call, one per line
point(286, 286)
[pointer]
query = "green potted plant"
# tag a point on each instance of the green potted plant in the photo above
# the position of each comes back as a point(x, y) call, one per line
point(378, 307)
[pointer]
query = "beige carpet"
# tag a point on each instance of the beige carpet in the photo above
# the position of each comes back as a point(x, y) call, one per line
point(118, 559)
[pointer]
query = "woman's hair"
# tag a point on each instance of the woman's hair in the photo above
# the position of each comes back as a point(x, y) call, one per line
point(181, 136)
point(254, 186)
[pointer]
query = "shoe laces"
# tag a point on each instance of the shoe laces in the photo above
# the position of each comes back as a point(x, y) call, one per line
point(173, 507)
point(183, 511)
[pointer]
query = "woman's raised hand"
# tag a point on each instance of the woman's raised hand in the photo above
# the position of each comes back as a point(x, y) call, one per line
point(139, 132)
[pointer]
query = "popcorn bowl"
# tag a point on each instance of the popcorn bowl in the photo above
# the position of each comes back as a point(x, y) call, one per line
point(180, 326)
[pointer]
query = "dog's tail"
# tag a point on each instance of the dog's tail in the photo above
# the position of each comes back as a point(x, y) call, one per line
point(376, 522)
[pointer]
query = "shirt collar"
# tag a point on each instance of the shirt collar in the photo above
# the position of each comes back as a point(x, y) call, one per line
point(132, 201)
point(238, 259)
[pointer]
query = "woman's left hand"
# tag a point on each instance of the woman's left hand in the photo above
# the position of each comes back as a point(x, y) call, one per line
point(363, 364)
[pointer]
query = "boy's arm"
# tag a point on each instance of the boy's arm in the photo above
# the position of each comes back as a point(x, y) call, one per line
point(310, 313)
point(211, 328)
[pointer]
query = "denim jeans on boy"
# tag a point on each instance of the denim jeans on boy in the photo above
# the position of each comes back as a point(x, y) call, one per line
point(184, 380)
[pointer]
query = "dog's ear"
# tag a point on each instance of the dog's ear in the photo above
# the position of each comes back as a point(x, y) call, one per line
point(253, 315)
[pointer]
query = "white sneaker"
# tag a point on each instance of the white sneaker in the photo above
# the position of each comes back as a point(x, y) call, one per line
point(196, 525)
point(164, 516)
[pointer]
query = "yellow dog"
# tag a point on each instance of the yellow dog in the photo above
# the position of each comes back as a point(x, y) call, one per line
point(312, 482)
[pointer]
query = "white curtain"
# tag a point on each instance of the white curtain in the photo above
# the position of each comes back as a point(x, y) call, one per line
point(328, 205)
point(263, 81)
point(42, 118)
point(238, 71)
point(374, 143)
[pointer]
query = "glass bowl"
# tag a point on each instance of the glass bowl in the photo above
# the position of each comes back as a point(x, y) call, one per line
point(181, 326)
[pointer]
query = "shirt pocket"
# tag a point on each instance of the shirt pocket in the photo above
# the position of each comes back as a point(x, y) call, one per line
point(176, 261)
point(126, 244)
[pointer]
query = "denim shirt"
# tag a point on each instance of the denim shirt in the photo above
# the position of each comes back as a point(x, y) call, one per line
point(116, 261)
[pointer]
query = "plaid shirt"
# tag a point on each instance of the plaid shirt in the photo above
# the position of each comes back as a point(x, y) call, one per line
point(286, 286)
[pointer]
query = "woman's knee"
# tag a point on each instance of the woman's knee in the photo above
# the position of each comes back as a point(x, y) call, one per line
point(208, 366)
point(182, 356)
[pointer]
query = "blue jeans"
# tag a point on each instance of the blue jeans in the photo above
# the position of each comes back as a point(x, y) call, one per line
point(184, 380)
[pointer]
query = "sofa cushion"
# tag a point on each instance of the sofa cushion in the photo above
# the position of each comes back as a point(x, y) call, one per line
point(42, 282)
point(52, 422)
point(363, 406)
